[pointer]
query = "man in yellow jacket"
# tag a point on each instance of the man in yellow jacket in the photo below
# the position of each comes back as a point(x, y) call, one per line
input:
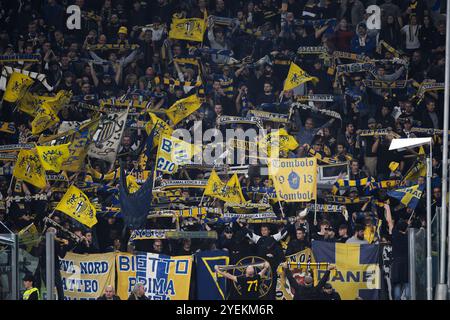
point(30, 293)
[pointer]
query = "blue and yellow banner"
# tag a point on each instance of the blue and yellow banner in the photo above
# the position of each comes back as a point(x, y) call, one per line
point(164, 277)
point(85, 277)
point(357, 268)
point(211, 286)
point(294, 179)
point(409, 196)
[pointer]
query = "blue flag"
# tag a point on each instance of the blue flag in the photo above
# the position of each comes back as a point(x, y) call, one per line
point(209, 285)
point(357, 271)
point(409, 196)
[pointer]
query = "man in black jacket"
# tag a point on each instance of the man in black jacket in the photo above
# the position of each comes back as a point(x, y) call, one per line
point(307, 291)
point(298, 244)
point(328, 293)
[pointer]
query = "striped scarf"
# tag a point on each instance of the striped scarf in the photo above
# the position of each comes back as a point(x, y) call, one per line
point(327, 160)
point(378, 84)
point(112, 46)
point(177, 83)
point(317, 97)
point(42, 78)
point(341, 183)
point(379, 132)
point(20, 58)
point(347, 200)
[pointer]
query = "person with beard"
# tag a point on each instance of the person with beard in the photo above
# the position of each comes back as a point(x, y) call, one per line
point(299, 243)
point(362, 43)
point(358, 236)
point(328, 293)
point(267, 96)
point(307, 290)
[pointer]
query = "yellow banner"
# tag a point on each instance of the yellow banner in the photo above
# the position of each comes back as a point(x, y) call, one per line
point(187, 29)
point(45, 118)
point(85, 277)
point(78, 146)
point(77, 205)
point(160, 127)
point(29, 168)
point(18, 84)
point(296, 76)
point(295, 179)
point(132, 185)
point(164, 277)
point(52, 157)
point(173, 152)
point(183, 108)
point(230, 191)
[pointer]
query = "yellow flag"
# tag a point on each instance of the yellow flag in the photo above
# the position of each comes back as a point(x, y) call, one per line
point(191, 29)
point(279, 139)
point(17, 85)
point(296, 76)
point(294, 179)
point(183, 108)
point(60, 100)
point(173, 152)
point(52, 157)
point(45, 118)
point(160, 127)
point(29, 236)
point(29, 168)
point(230, 191)
point(77, 205)
point(30, 103)
point(418, 169)
point(132, 185)
point(79, 139)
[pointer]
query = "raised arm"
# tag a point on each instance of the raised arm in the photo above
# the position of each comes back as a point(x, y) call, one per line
point(264, 269)
point(388, 216)
point(93, 74)
point(225, 274)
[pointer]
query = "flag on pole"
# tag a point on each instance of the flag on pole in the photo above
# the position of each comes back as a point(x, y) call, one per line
point(409, 196)
point(77, 205)
point(17, 85)
point(45, 118)
point(191, 29)
point(183, 108)
point(52, 157)
point(29, 168)
point(230, 191)
point(296, 76)
point(159, 128)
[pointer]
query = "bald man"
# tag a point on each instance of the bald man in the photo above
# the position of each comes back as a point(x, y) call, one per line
point(249, 282)
point(109, 294)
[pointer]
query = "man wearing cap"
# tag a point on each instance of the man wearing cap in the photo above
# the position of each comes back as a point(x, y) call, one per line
point(307, 291)
point(122, 35)
point(30, 293)
point(328, 293)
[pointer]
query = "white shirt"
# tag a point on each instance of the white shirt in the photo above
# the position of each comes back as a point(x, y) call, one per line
point(412, 36)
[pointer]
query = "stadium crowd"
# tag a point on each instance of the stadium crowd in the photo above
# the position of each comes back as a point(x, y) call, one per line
point(241, 63)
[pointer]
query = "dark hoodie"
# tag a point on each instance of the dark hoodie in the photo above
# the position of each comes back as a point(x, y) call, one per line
point(307, 293)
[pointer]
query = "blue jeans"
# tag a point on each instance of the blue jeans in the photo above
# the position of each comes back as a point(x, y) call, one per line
point(399, 288)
